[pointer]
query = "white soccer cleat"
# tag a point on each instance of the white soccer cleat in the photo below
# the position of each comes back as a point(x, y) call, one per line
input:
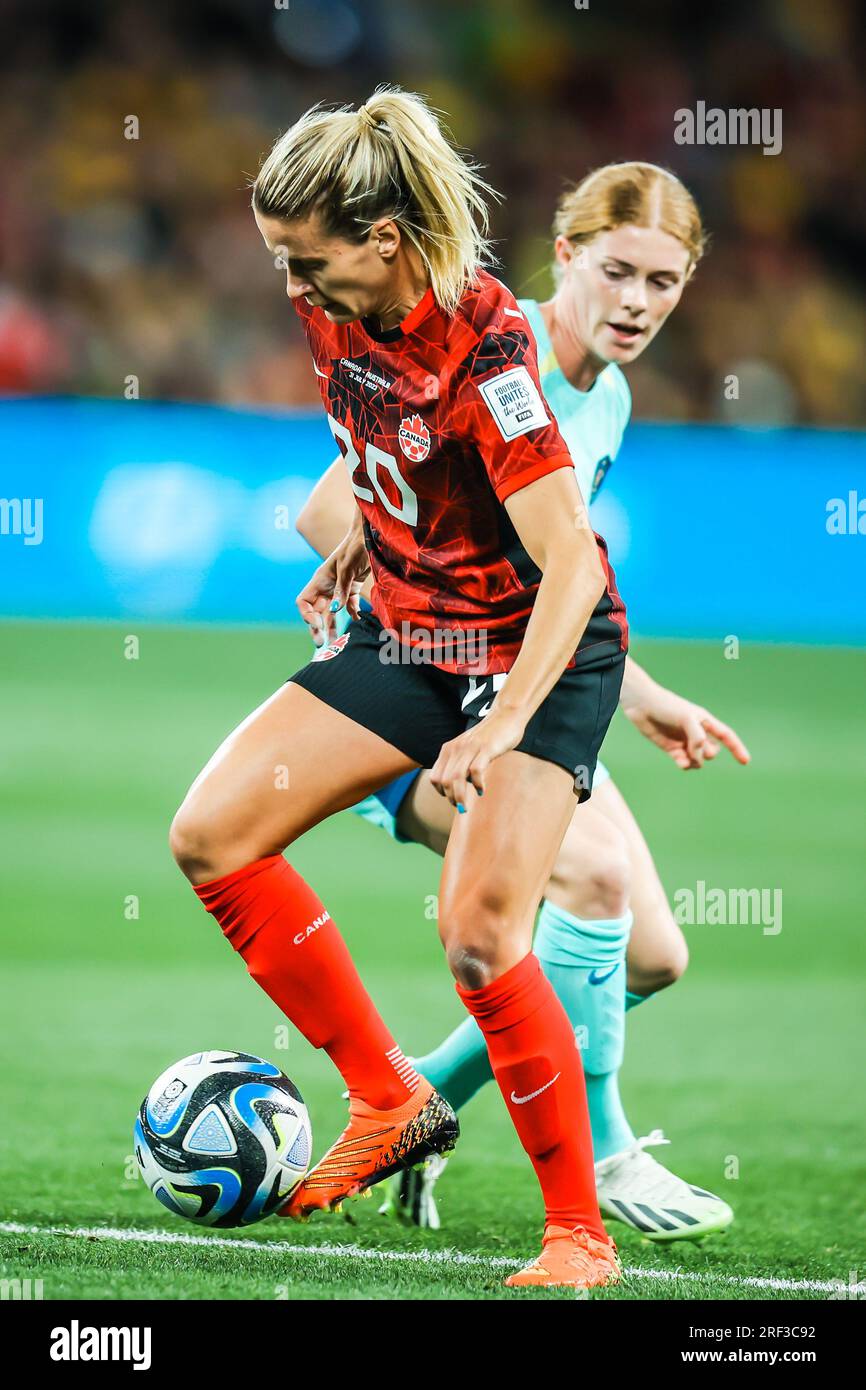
point(410, 1194)
point(634, 1188)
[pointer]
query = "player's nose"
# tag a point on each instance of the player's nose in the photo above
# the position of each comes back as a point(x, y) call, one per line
point(634, 297)
point(296, 286)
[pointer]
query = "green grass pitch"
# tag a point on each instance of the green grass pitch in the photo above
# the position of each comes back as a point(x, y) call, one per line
point(752, 1064)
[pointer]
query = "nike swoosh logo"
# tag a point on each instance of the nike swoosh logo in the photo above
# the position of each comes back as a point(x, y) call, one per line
point(521, 1100)
point(598, 978)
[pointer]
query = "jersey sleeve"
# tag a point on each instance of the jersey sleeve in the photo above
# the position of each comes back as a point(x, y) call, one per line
point(500, 408)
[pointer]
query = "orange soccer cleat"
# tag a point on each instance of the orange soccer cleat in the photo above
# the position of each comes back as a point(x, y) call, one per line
point(375, 1144)
point(570, 1258)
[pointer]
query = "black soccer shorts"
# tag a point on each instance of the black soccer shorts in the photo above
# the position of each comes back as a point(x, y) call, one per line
point(416, 707)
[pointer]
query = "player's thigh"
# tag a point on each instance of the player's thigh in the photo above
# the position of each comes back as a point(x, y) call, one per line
point(591, 877)
point(292, 762)
point(657, 951)
point(499, 857)
point(426, 817)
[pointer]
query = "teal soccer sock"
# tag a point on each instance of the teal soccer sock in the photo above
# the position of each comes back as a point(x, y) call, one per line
point(585, 963)
point(459, 1066)
point(632, 1000)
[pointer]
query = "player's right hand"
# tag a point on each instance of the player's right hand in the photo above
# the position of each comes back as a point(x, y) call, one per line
point(687, 732)
point(336, 583)
point(464, 760)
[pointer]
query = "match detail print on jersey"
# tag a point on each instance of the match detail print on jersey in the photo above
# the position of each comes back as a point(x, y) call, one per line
point(515, 403)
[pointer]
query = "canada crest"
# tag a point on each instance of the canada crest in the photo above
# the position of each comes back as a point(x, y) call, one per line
point(414, 438)
point(333, 648)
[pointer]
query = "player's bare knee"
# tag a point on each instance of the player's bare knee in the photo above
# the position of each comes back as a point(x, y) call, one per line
point(611, 880)
point(672, 963)
point(473, 955)
point(473, 937)
point(595, 886)
point(193, 846)
point(663, 967)
point(470, 966)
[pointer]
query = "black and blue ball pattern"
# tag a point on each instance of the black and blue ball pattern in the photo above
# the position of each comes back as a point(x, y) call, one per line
point(223, 1138)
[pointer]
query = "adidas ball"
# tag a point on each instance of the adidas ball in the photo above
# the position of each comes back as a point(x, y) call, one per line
point(223, 1138)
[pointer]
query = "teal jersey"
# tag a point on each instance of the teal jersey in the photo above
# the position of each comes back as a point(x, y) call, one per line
point(593, 422)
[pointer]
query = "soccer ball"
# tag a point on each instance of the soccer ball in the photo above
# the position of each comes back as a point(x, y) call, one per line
point(223, 1138)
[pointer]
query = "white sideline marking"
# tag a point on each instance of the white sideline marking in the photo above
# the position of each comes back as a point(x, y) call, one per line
point(422, 1257)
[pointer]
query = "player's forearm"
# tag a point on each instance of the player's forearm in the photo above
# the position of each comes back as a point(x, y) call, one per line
point(570, 588)
point(552, 525)
point(328, 511)
point(356, 540)
point(353, 534)
point(322, 531)
point(637, 684)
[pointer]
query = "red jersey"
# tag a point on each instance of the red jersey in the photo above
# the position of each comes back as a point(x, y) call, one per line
point(439, 421)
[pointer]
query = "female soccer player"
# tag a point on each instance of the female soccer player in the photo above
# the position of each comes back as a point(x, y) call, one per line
point(469, 514)
point(626, 241)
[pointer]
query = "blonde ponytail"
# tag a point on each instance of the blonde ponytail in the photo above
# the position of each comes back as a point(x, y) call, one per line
point(389, 159)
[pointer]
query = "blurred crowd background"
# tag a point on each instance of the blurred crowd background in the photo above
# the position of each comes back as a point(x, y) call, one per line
point(140, 256)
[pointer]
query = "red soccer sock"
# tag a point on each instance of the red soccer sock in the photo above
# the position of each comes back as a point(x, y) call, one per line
point(537, 1065)
point(297, 955)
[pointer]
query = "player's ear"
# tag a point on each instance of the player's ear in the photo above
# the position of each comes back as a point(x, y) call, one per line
point(385, 235)
point(564, 251)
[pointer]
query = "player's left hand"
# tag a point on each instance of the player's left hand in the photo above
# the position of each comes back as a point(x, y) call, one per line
point(337, 582)
point(688, 733)
point(463, 760)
